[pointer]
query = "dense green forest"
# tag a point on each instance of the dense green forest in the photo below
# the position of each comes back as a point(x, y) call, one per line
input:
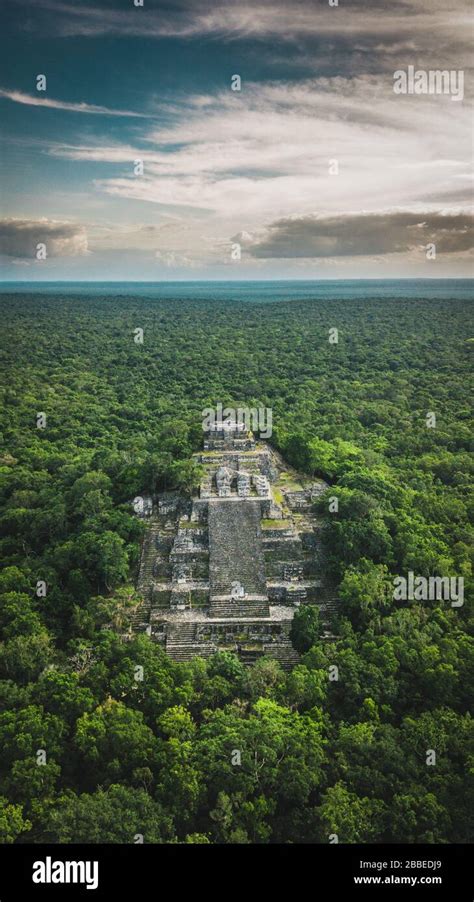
point(90, 754)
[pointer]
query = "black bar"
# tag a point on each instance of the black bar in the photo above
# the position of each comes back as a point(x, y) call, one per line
point(220, 871)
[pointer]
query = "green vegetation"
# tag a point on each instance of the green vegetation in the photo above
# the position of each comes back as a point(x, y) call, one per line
point(157, 756)
point(305, 628)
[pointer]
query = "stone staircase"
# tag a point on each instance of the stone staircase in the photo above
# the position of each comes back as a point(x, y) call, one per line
point(182, 645)
point(147, 560)
point(155, 541)
point(282, 652)
point(241, 607)
point(249, 656)
point(330, 600)
point(236, 556)
point(139, 619)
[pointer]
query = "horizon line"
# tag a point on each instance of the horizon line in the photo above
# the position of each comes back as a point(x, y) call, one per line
point(228, 281)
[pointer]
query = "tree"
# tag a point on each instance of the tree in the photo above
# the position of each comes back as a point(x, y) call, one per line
point(418, 817)
point(358, 529)
point(305, 628)
point(350, 818)
point(177, 723)
point(365, 589)
point(112, 741)
point(186, 475)
point(264, 677)
point(118, 814)
point(12, 822)
point(104, 557)
point(24, 732)
point(61, 694)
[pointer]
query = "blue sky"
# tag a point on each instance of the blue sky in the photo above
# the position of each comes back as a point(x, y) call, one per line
point(316, 168)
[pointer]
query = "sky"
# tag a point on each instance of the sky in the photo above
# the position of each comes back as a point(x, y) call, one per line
point(141, 161)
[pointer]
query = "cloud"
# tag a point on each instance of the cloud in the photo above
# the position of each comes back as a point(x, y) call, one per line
point(360, 234)
point(173, 260)
point(265, 153)
point(403, 20)
point(358, 36)
point(19, 238)
point(228, 163)
point(50, 103)
point(258, 162)
point(170, 242)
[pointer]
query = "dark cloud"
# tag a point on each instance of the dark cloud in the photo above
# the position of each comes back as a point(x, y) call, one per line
point(364, 234)
point(358, 36)
point(239, 19)
point(19, 238)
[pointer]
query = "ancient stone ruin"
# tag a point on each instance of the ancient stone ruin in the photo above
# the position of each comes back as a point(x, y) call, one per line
point(227, 569)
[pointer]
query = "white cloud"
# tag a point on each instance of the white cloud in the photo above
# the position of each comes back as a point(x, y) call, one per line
point(266, 153)
point(232, 162)
point(50, 103)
